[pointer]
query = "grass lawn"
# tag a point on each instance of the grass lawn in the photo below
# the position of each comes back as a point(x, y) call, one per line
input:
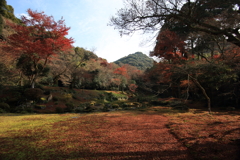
point(155, 133)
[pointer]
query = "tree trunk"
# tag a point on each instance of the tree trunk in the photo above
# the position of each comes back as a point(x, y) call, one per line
point(20, 82)
point(33, 81)
point(72, 84)
point(33, 84)
point(204, 93)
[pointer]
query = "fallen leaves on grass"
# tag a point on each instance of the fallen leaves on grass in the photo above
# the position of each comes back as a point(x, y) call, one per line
point(121, 135)
point(208, 136)
point(97, 136)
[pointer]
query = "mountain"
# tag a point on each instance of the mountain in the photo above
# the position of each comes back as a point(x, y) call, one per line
point(6, 13)
point(138, 59)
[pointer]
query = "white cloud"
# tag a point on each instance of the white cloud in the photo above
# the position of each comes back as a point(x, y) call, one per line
point(113, 47)
point(23, 14)
point(105, 39)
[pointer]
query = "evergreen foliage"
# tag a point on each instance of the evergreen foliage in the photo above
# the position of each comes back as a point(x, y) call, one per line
point(138, 59)
point(7, 11)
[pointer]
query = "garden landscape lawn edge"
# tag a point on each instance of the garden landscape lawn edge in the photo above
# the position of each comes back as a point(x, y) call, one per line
point(156, 133)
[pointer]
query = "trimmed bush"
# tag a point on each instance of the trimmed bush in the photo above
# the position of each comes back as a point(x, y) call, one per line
point(47, 92)
point(59, 110)
point(70, 107)
point(33, 93)
point(39, 106)
point(2, 111)
point(4, 106)
point(29, 110)
point(55, 99)
point(115, 106)
point(115, 97)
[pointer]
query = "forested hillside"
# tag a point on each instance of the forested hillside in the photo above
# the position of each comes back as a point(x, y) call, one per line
point(200, 56)
point(138, 59)
point(199, 47)
point(6, 12)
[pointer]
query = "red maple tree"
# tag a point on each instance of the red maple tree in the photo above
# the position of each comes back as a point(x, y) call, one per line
point(132, 87)
point(169, 46)
point(39, 39)
point(122, 71)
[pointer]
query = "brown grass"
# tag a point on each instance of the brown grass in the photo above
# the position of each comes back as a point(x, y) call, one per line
point(209, 137)
point(155, 134)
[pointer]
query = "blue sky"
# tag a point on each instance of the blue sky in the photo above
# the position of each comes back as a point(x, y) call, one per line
point(88, 21)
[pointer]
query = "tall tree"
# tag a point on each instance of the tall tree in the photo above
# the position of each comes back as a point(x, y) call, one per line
point(78, 60)
point(215, 17)
point(39, 39)
point(169, 46)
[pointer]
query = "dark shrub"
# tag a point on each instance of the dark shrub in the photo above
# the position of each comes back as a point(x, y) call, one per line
point(79, 110)
point(4, 106)
point(29, 109)
point(33, 93)
point(47, 92)
point(74, 97)
point(144, 99)
point(55, 98)
point(70, 107)
point(2, 111)
point(59, 110)
point(40, 106)
point(10, 96)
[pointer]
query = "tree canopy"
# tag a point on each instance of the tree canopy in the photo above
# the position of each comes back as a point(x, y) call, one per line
point(198, 43)
point(215, 17)
point(38, 40)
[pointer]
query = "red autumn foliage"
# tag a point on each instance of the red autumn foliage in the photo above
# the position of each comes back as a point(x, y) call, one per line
point(169, 46)
point(132, 87)
point(122, 71)
point(160, 73)
point(39, 38)
point(126, 135)
point(116, 81)
point(104, 63)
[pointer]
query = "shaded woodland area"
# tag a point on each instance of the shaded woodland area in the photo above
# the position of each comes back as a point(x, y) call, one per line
point(198, 45)
point(197, 48)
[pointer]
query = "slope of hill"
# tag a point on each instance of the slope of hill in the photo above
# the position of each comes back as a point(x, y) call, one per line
point(6, 13)
point(138, 59)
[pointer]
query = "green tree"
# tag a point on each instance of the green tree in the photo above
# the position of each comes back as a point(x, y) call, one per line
point(6, 11)
point(137, 59)
point(78, 61)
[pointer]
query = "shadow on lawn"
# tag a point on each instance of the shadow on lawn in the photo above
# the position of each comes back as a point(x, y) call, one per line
point(205, 151)
point(40, 154)
point(30, 145)
point(26, 146)
point(216, 151)
point(149, 155)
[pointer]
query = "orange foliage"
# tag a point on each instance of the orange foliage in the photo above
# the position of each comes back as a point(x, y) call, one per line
point(169, 46)
point(161, 71)
point(39, 38)
point(122, 71)
point(116, 81)
point(132, 87)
